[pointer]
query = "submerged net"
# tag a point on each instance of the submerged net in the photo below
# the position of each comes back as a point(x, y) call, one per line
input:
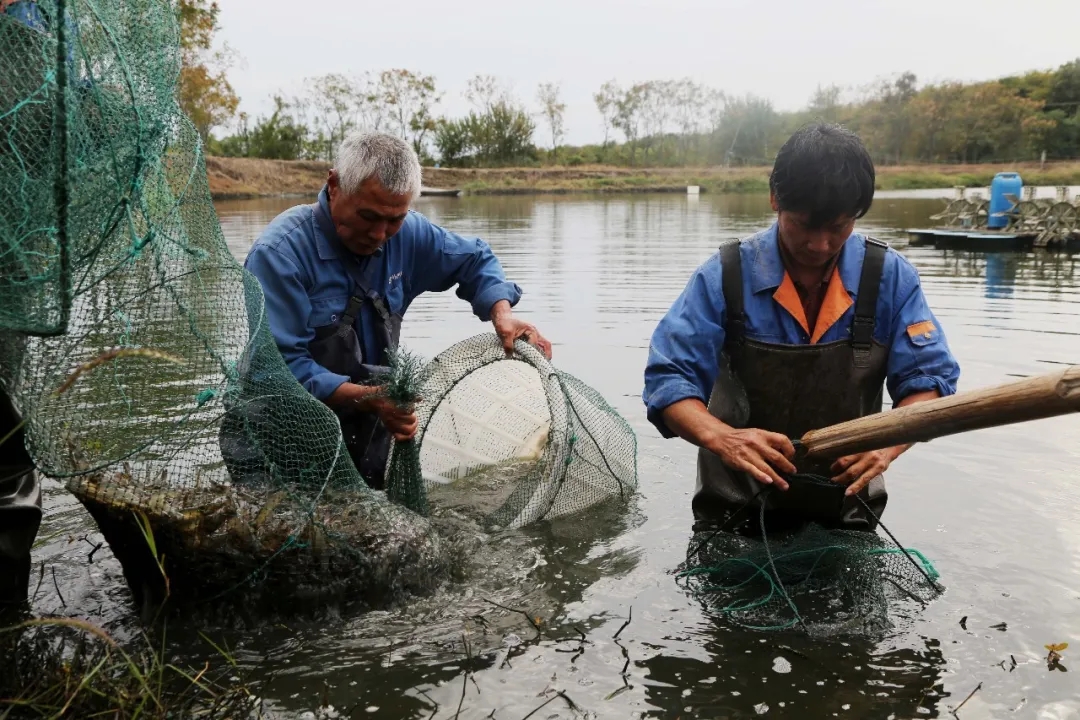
point(184, 419)
point(820, 580)
point(510, 441)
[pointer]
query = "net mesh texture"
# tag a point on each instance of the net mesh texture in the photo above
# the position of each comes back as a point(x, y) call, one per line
point(138, 351)
point(510, 441)
point(823, 581)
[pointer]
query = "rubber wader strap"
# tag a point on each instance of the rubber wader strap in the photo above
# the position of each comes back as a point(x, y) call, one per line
point(862, 331)
point(348, 318)
point(731, 269)
point(387, 320)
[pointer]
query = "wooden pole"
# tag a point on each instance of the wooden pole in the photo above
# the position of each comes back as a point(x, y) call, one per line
point(1031, 399)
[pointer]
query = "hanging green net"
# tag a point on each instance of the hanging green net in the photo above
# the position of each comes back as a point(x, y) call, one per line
point(405, 482)
point(506, 442)
point(819, 580)
point(185, 420)
point(137, 349)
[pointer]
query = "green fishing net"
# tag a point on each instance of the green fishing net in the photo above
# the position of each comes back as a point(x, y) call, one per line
point(137, 350)
point(510, 441)
point(182, 420)
point(821, 580)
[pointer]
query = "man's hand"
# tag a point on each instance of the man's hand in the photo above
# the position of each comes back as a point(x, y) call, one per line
point(509, 329)
point(856, 471)
point(401, 422)
point(757, 452)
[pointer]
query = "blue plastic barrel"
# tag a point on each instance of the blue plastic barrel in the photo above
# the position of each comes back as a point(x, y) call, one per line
point(1005, 183)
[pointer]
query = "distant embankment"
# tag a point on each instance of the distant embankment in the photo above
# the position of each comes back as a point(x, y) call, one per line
point(232, 178)
point(245, 178)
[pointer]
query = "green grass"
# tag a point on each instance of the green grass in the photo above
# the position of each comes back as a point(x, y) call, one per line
point(62, 667)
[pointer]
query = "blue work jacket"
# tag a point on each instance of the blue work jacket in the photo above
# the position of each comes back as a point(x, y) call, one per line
point(28, 13)
point(301, 265)
point(685, 347)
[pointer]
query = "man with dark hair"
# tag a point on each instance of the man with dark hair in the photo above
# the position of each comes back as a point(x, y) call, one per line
point(795, 328)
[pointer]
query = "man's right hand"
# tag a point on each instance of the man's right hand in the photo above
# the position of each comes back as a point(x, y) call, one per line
point(363, 398)
point(757, 452)
point(402, 423)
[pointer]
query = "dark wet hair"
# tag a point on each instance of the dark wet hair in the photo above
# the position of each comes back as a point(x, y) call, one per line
point(825, 171)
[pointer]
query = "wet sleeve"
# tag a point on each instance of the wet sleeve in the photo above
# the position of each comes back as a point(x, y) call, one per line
point(288, 310)
point(919, 355)
point(684, 349)
point(441, 259)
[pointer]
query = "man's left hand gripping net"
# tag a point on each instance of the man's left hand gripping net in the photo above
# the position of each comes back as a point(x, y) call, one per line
point(509, 441)
point(183, 418)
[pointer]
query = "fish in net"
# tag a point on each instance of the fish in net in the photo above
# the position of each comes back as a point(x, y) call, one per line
point(824, 581)
point(507, 442)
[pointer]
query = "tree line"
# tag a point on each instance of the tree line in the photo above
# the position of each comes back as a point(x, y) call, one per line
point(655, 123)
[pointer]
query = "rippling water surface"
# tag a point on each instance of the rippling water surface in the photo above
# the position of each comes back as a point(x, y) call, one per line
point(997, 511)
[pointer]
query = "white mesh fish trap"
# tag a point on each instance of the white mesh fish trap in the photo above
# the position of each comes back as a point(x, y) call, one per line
point(510, 441)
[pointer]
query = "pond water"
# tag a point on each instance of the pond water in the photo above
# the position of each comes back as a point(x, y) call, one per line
point(996, 511)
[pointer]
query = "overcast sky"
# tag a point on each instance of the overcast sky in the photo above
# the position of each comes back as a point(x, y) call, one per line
point(779, 49)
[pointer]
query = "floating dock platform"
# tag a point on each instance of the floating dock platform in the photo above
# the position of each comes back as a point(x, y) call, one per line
point(982, 239)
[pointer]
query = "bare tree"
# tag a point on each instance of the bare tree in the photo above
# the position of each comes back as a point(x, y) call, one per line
point(485, 92)
point(689, 106)
point(656, 102)
point(825, 103)
point(628, 114)
point(607, 101)
point(552, 110)
point(409, 99)
point(333, 99)
point(370, 109)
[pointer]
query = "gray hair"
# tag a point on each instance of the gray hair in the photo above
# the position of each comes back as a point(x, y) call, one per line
point(388, 158)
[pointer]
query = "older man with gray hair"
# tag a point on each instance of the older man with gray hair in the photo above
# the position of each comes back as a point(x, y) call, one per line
point(339, 274)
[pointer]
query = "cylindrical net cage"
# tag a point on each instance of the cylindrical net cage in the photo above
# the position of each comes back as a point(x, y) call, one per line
point(510, 441)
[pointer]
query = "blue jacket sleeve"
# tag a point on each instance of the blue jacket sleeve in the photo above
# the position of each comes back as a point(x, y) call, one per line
point(288, 310)
point(919, 355)
point(684, 350)
point(442, 259)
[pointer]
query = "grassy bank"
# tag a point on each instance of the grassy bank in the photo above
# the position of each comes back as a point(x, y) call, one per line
point(243, 177)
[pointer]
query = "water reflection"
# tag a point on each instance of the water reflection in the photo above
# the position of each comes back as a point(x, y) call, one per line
point(744, 675)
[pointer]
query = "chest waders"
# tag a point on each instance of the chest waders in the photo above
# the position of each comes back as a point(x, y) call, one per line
point(20, 508)
point(337, 348)
point(791, 389)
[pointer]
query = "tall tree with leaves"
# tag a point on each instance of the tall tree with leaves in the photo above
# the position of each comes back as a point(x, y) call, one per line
point(552, 110)
point(205, 93)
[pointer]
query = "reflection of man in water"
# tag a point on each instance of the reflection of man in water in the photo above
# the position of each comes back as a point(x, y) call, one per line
point(792, 329)
point(339, 275)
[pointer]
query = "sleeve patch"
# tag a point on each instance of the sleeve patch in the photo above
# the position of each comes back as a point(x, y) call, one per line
point(924, 329)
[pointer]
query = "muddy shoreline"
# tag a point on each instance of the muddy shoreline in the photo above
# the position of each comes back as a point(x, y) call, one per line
point(246, 178)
